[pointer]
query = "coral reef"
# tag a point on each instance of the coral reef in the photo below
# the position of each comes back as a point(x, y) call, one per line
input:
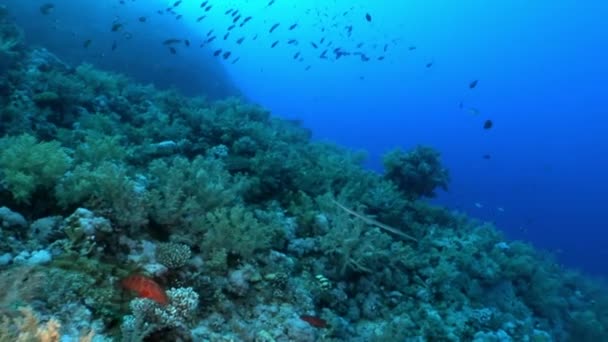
point(258, 232)
point(416, 173)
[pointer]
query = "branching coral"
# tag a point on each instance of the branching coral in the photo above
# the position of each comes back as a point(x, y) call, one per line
point(416, 173)
point(182, 188)
point(173, 255)
point(28, 165)
point(238, 231)
point(107, 188)
point(353, 247)
point(149, 317)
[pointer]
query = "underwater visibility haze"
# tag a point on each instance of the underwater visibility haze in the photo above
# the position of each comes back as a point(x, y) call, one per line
point(281, 170)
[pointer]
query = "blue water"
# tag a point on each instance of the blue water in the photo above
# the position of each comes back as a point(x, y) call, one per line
point(540, 66)
point(542, 81)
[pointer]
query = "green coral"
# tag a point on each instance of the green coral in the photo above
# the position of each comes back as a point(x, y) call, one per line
point(47, 98)
point(237, 230)
point(97, 148)
point(108, 188)
point(101, 82)
point(29, 165)
point(356, 245)
point(180, 188)
point(416, 173)
point(67, 282)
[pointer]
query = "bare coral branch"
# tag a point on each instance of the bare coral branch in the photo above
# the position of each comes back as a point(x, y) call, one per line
point(374, 222)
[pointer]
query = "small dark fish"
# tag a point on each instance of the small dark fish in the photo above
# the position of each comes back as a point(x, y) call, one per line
point(172, 41)
point(236, 18)
point(364, 58)
point(228, 11)
point(274, 27)
point(226, 55)
point(255, 37)
point(210, 32)
point(322, 40)
point(429, 64)
point(293, 27)
point(339, 53)
point(226, 35)
point(235, 60)
point(231, 27)
point(208, 8)
point(245, 20)
point(412, 48)
point(187, 42)
point(142, 19)
point(235, 13)
point(114, 45)
point(385, 47)
point(116, 27)
point(217, 52)
point(178, 17)
point(177, 3)
point(307, 68)
point(47, 8)
point(198, 20)
point(487, 156)
point(381, 58)
point(368, 17)
point(488, 124)
point(473, 84)
point(314, 45)
point(296, 55)
point(349, 29)
point(292, 42)
point(274, 44)
point(359, 45)
point(240, 40)
point(204, 4)
point(323, 55)
point(87, 43)
point(211, 39)
point(270, 3)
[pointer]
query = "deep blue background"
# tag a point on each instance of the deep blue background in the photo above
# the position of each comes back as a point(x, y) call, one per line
point(543, 80)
